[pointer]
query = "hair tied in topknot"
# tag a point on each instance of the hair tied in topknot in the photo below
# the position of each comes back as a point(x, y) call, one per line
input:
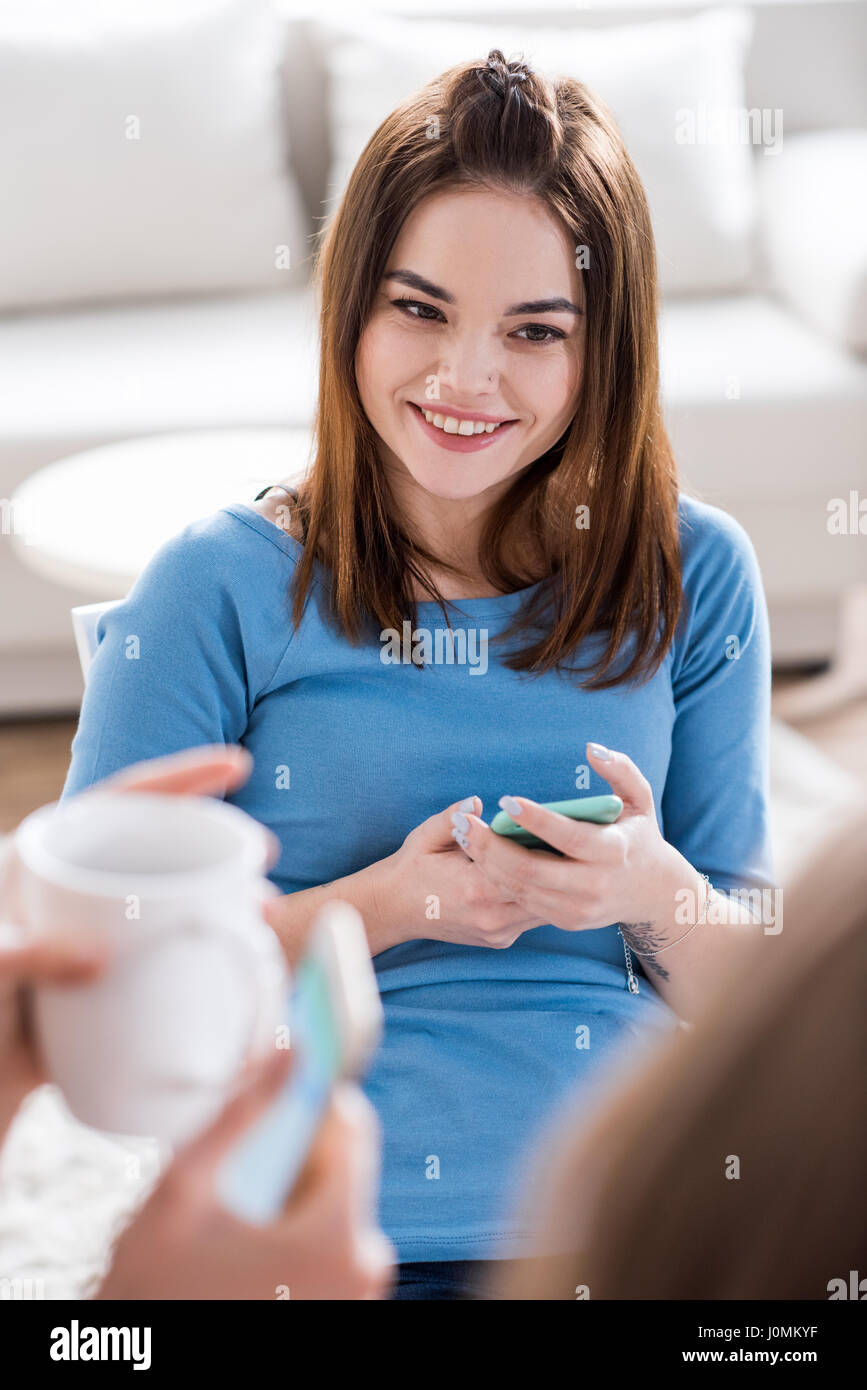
point(503, 118)
point(515, 76)
point(500, 75)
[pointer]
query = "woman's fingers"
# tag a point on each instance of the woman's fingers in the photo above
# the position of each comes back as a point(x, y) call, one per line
point(515, 871)
point(211, 770)
point(580, 840)
point(623, 777)
point(50, 960)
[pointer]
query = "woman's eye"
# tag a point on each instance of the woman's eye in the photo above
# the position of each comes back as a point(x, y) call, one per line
point(407, 306)
point(554, 334)
point(542, 333)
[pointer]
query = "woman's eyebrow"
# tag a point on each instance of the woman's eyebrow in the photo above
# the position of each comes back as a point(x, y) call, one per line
point(418, 282)
point(544, 306)
point(530, 306)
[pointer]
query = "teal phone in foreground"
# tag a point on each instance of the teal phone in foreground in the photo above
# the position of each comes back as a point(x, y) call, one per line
point(602, 810)
point(335, 1020)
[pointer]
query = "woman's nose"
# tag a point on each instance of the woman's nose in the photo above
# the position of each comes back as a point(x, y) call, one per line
point(469, 368)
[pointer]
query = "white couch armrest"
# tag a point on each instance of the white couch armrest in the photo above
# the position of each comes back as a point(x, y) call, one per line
point(813, 228)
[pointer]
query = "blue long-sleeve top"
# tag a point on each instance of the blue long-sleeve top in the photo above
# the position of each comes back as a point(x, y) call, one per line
point(352, 751)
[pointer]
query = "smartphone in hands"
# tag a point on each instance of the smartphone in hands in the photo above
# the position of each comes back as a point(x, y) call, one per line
point(602, 810)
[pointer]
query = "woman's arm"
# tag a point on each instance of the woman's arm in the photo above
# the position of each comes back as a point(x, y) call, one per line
point(426, 890)
point(291, 915)
point(715, 804)
point(648, 877)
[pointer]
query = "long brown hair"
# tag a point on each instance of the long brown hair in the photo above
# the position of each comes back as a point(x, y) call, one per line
point(771, 1074)
point(498, 124)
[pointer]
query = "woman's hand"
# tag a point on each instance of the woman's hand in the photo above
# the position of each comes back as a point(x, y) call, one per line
point(183, 1244)
point(426, 890)
point(434, 891)
point(624, 872)
point(55, 960)
point(66, 958)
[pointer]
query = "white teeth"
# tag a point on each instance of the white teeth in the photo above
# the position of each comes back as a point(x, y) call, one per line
point(450, 425)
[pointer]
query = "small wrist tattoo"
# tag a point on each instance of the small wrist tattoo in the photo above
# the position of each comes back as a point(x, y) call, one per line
point(641, 938)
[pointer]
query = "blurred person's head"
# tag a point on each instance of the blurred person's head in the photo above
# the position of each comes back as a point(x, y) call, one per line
point(730, 1164)
point(493, 255)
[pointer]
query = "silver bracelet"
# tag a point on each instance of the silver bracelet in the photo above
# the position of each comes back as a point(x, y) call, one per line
point(708, 890)
point(645, 955)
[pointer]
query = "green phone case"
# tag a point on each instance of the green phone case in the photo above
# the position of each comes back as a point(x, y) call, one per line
point(602, 810)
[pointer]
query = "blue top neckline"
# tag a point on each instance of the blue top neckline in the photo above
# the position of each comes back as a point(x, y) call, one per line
point(493, 605)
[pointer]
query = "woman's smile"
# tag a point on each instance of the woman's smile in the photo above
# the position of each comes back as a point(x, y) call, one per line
point(460, 434)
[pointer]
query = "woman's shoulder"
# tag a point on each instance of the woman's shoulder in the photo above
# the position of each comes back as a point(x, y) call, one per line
point(280, 507)
point(721, 579)
point(232, 556)
point(713, 544)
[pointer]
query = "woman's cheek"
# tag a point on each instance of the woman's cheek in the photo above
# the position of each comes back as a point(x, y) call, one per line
point(391, 355)
point(550, 387)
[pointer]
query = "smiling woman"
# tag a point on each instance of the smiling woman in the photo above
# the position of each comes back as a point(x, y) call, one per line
point(507, 204)
point(492, 479)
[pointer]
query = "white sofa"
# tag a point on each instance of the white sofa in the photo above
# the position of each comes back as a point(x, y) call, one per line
point(764, 379)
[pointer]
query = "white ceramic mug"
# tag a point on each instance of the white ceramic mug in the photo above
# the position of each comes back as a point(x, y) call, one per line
point(196, 979)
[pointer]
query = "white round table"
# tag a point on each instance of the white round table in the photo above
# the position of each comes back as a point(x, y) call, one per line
point(93, 520)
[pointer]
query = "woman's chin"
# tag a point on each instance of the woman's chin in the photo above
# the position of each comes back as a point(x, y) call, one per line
point(453, 494)
point(452, 482)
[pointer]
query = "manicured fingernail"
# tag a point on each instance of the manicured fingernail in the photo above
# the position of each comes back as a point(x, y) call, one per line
point(468, 804)
point(512, 807)
point(460, 821)
point(461, 839)
point(600, 751)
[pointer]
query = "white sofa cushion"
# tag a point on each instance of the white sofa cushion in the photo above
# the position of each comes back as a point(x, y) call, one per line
point(114, 371)
point(813, 200)
point(767, 407)
point(143, 150)
point(768, 419)
point(701, 195)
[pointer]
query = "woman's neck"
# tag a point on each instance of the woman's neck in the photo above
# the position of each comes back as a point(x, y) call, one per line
point(451, 529)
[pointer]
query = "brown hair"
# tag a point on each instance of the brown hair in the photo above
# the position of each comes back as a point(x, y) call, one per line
point(504, 126)
point(772, 1074)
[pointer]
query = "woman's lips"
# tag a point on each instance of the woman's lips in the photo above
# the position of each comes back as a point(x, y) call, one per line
point(459, 443)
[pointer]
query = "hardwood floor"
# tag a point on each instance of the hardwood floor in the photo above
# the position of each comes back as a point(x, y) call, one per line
point(34, 755)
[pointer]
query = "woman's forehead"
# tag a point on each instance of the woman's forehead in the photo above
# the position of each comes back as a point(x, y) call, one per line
point(484, 243)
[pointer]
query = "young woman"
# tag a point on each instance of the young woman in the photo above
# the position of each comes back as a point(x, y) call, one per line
point(488, 586)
